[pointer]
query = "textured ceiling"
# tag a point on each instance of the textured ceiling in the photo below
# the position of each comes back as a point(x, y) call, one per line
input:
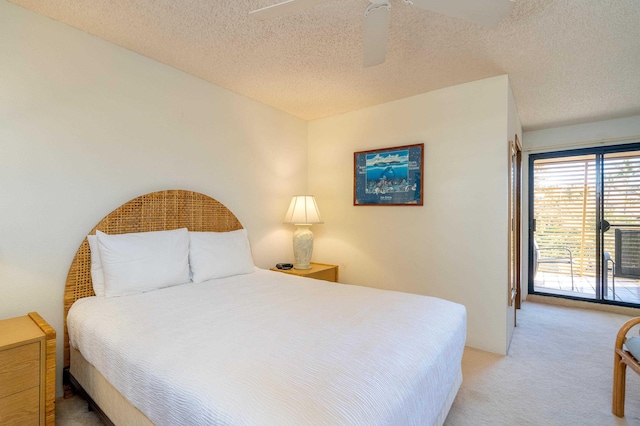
point(569, 61)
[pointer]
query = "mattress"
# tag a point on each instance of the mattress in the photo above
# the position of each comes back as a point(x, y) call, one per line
point(273, 349)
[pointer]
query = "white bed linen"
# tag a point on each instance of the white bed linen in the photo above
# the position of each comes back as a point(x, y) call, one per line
point(273, 349)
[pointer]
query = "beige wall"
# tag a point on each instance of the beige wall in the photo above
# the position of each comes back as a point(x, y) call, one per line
point(86, 125)
point(597, 133)
point(455, 246)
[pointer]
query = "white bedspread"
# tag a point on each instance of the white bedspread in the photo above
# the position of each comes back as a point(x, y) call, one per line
point(273, 349)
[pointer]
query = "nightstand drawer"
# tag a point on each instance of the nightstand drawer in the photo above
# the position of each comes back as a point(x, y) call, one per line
point(22, 408)
point(27, 371)
point(19, 369)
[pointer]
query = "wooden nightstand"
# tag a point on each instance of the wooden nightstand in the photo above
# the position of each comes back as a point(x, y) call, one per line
point(27, 371)
point(319, 271)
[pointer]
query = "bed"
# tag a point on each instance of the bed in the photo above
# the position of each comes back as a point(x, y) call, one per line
point(258, 347)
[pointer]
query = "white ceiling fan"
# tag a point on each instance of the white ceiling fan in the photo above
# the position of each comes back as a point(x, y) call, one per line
point(376, 22)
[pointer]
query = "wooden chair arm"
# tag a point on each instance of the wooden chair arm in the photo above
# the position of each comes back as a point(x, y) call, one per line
point(622, 333)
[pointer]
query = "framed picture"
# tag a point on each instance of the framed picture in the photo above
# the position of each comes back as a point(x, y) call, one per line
point(389, 176)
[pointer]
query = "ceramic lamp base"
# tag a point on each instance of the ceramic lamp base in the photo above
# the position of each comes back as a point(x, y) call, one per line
point(302, 247)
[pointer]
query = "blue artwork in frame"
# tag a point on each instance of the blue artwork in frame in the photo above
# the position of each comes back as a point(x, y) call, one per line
point(389, 176)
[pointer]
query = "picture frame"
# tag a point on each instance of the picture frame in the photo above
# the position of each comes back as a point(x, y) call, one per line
point(389, 176)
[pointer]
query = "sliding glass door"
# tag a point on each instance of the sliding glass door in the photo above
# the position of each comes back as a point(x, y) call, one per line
point(621, 226)
point(585, 205)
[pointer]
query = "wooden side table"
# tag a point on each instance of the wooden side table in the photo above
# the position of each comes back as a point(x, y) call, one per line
point(27, 371)
point(319, 271)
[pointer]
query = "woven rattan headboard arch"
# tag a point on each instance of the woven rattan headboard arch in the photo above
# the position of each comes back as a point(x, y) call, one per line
point(157, 211)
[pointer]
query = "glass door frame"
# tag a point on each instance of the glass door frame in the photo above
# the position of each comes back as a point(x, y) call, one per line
point(599, 153)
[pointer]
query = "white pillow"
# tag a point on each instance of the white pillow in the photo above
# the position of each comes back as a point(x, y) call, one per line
point(219, 254)
point(97, 273)
point(143, 261)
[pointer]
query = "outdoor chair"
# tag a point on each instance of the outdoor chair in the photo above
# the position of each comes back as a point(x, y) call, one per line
point(606, 257)
point(626, 353)
point(538, 259)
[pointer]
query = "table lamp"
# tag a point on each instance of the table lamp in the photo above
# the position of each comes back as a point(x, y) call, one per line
point(303, 212)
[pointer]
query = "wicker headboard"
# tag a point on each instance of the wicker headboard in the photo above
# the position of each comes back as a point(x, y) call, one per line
point(157, 211)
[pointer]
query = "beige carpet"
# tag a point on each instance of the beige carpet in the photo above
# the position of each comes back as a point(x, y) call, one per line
point(74, 412)
point(558, 372)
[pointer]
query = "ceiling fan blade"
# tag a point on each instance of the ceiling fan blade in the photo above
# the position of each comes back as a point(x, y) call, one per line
point(483, 12)
point(288, 7)
point(376, 33)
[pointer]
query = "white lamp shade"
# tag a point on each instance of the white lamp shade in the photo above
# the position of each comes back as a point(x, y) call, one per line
point(303, 210)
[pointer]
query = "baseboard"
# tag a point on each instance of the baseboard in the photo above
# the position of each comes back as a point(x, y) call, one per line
point(571, 303)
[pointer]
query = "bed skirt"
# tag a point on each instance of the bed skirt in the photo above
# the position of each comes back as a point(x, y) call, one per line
point(111, 402)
